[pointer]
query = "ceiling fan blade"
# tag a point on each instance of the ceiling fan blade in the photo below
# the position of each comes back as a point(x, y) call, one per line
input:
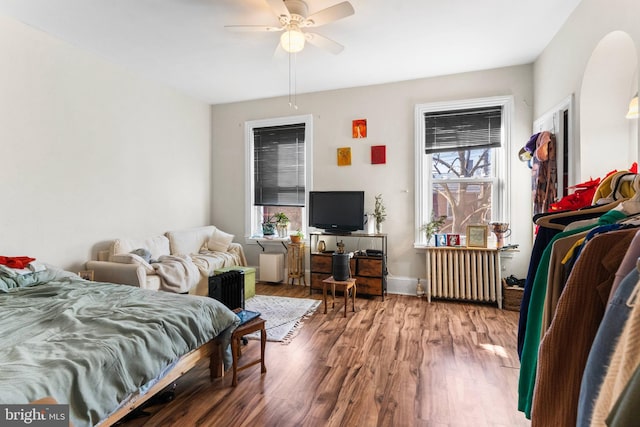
point(279, 9)
point(252, 28)
point(324, 43)
point(279, 53)
point(330, 14)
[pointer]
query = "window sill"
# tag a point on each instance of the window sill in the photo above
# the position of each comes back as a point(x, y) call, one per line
point(268, 241)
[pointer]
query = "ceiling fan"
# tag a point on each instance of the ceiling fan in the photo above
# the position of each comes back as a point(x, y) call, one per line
point(293, 18)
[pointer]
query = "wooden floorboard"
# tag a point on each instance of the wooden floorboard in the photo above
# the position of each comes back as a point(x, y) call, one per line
point(397, 362)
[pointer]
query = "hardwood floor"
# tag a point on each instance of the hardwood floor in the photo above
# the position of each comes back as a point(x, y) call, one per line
point(401, 362)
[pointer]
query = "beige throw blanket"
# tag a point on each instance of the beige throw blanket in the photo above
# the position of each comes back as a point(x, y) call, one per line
point(177, 273)
point(209, 261)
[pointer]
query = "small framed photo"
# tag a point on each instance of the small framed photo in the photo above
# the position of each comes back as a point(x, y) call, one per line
point(453, 239)
point(477, 236)
point(86, 274)
point(441, 239)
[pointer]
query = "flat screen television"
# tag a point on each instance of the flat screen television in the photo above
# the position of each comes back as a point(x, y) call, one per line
point(336, 211)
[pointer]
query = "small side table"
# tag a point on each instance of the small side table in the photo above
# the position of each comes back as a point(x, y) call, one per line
point(257, 324)
point(295, 262)
point(346, 285)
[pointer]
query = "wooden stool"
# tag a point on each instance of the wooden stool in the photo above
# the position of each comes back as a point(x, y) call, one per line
point(350, 283)
point(256, 324)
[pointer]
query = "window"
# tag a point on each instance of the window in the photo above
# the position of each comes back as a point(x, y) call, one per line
point(278, 176)
point(461, 151)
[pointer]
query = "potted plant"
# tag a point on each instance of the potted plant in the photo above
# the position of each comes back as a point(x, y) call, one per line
point(269, 226)
point(433, 226)
point(379, 212)
point(282, 224)
point(296, 236)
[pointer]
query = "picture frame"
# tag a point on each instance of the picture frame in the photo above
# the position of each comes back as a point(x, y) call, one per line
point(477, 236)
point(453, 239)
point(441, 239)
point(86, 274)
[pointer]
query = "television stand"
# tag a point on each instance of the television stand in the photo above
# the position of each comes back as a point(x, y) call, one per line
point(370, 271)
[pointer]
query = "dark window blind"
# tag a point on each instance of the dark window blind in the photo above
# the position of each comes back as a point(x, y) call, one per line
point(279, 176)
point(462, 129)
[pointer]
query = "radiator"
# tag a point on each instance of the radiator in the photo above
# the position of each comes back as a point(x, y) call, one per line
point(466, 274)
point(228, 288)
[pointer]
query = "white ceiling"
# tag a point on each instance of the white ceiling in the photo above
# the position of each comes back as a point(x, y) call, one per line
point(183, 43)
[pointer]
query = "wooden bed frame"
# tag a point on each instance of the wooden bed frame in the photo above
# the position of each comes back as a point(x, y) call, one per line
point(211, 349)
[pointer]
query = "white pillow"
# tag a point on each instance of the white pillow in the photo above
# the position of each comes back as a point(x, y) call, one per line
point(219, 241)
point(190, 240)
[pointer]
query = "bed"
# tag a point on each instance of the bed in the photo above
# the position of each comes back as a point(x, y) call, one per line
point(101, 348)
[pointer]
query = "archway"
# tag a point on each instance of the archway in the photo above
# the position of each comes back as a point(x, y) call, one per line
point(607, 139)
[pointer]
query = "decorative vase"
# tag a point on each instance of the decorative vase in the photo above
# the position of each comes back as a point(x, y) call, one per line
point(428, 236)
point(378, 224)
point(283, 229)
point(501, 230)
point(322, 246)
point(371, 224)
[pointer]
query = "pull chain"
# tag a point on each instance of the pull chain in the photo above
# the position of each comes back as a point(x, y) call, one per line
point(293, 103)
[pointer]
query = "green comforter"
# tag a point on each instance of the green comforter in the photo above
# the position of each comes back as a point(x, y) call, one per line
point(92, 344)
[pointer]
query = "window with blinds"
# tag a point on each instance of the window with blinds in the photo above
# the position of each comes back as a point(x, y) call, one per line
point(462, 173)
point(278, 165)
point(279, 170)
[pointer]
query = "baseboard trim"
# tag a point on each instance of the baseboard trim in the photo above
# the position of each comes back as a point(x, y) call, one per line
point(398, 285)
point(402, 285)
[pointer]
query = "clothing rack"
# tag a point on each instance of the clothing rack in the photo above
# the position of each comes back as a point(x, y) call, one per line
point(584, 272)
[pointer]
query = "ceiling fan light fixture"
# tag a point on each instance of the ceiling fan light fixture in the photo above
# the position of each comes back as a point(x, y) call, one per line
point(292, 40)
point(633, 108)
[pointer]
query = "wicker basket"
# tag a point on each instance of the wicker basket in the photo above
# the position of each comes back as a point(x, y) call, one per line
point(512, 296)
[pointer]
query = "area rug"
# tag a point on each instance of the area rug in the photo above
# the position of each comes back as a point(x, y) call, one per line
point(284, 315)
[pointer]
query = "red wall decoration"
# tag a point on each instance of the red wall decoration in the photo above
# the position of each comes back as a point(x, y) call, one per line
point(378, 154)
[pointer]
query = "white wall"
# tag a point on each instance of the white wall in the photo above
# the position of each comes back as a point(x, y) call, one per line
point(559, 70)
point(389, 110)
point(90, 152)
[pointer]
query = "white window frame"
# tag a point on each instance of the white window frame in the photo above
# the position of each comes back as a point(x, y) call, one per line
point(501, 210)
point(249, 126)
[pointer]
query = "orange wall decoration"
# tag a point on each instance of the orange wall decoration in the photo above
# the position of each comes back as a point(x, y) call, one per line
point(344, 156)
point(359, 128)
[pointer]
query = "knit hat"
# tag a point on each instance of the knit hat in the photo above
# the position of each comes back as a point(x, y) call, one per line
point(526, 152)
